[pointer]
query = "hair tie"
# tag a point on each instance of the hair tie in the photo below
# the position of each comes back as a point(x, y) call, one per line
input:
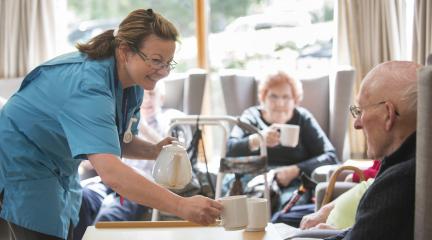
point(115, 32)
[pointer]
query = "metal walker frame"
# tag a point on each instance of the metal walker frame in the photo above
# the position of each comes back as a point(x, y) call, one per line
point(207, 120)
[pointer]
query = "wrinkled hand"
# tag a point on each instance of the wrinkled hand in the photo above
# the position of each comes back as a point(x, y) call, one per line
point(285, 175)
point(199, 209)
point(312, 220)
point(271, 135)
point(324, 226)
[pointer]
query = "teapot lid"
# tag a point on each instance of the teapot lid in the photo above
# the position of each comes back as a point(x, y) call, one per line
point(175, 144)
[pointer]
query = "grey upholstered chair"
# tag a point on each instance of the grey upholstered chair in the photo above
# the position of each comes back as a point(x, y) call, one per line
point(429, 59)
point(423, 195)
point(327, 98)
point(185, 91)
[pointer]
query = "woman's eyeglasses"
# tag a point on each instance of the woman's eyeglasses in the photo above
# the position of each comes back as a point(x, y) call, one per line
point(155, 63)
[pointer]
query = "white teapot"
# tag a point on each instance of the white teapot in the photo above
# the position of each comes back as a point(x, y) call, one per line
point(173, 168)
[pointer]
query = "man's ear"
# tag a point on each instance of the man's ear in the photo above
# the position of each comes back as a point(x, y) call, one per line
point(391, 115)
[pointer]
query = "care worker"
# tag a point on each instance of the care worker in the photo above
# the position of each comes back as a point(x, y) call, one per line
point(85, 105)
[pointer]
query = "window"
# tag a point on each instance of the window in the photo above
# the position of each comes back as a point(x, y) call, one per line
point(87, 19)
point(295, 35)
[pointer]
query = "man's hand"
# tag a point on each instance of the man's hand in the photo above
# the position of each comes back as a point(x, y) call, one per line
point(199, 209)
point(312, 220)
point(324, 226)
point(317, 218)
point(285, 175)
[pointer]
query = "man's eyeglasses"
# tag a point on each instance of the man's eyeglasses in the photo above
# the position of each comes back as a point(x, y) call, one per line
point(155, 63)
point(357, 111)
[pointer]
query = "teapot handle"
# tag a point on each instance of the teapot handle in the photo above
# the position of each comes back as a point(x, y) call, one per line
point(176, 161)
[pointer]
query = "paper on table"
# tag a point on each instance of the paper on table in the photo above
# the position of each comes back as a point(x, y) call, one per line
point(288, 232)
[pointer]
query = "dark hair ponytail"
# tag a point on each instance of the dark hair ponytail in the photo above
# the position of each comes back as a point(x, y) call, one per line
point(138, 25)
point(99, 47)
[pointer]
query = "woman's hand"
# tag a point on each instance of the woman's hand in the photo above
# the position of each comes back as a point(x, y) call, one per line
point(199, 209)
point(158, 147)
point(271, 136)
point(285, 175)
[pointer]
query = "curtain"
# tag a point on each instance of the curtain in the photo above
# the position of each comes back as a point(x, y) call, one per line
point(28, 35)
point(368, 32)
point(422, 31)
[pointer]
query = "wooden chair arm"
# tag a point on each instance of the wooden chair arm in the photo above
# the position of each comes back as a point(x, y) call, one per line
point(329, 191)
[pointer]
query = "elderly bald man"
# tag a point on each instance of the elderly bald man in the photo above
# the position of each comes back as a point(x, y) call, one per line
point(386, 112)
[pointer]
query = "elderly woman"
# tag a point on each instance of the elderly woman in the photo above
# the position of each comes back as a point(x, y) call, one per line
point(279, 96)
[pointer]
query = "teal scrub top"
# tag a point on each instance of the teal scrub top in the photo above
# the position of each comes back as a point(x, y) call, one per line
point(66, 108)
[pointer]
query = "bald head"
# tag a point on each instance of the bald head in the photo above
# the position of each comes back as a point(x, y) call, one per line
point(388, 99)
point(394, 81)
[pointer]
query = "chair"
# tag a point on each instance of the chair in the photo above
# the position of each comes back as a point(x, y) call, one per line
point(429, 59)
point(327, 98)
point(325, 192)
point(423, 195)
point(185, 91)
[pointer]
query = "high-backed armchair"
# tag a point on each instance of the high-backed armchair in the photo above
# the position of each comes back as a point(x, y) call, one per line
point(423, 195)
point(185, 91)
point(429, 59)
point(327, 98)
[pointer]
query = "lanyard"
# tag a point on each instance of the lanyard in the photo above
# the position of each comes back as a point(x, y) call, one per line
point(124, 109)
point(121, 123)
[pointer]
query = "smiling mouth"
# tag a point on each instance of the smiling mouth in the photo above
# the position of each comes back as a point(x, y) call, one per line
point(151, 79)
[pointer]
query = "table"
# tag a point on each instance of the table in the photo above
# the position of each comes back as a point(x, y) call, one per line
point(178, 230)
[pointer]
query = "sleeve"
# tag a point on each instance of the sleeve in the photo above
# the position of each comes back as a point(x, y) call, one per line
point(88, 121)
point(317, 145)
point(345, 206)
point(238, 142)
point(387, 208)
point(371, 172)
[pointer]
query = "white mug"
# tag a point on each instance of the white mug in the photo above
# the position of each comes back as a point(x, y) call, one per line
point(234, 214)
point(289, 134)
point(258, 211)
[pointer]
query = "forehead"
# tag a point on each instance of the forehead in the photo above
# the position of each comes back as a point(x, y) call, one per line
point(368, 87)
point(154, 45)
point(281, 88)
